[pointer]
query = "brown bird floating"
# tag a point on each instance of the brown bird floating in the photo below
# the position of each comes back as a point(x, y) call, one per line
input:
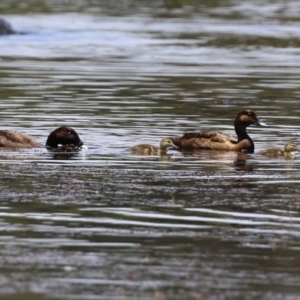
point(222, 141)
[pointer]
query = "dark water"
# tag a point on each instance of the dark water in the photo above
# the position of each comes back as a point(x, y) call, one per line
point(106, 224)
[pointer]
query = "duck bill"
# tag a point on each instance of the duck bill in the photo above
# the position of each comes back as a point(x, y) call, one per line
point(258, 122)
point(173, 147)
point(80, 144)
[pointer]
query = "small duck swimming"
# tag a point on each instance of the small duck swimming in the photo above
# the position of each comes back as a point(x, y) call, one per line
point(146, 149)
point(288, 151)
point(61, 136)
point(221, 141)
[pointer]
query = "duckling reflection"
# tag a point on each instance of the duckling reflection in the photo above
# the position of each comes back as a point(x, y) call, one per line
point(146, 149)
point(288, 151)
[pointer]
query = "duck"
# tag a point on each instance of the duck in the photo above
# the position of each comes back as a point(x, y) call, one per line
point(146, 149)
point(14, 139)
point(5, 28)
point(60, 136)
point(65, 136)
point(288, 151)
point(222, 141)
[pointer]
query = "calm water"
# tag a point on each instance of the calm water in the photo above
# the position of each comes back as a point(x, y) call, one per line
point(105, 224)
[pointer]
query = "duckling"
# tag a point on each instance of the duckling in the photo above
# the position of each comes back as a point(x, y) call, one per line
point(288, 151)
point(221, 141)
point(165, 143)
point(61, 136)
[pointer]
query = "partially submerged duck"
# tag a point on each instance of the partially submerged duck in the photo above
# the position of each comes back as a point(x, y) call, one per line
point(66, 148)
point(146, 149)
point(222, 141)
point(5, 28)
point(288, 151)
point(65, 136)
point(61, 136)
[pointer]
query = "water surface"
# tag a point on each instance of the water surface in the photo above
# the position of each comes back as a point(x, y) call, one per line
point(106, 224)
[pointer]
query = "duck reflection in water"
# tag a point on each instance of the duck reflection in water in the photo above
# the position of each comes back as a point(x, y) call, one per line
point(241, 163)
point(221, 159)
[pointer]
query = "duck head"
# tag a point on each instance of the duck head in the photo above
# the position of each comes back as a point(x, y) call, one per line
point(291, 147)
point(246, 118)
point(63, 136)
point(166, 143)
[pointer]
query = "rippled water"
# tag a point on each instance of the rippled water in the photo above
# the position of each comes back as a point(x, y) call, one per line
point(106, 224)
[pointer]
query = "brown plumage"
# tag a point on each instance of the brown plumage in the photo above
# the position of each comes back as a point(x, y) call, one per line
point(221, 141)
point(288, 151)
point(14, 139)
point(146, 149)
point(61, 136)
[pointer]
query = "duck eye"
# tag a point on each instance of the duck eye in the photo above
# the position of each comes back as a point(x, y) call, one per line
point(69, 132)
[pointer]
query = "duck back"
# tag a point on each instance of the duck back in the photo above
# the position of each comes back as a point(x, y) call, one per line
point(272, 152)
point(289, 151)
point(205, 140)
point(145, 149)
point(14, 139)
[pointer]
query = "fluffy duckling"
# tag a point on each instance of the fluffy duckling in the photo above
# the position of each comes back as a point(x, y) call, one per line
point(61, 136)
point(146, 149)
point(221, 141)
point(288, 151)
